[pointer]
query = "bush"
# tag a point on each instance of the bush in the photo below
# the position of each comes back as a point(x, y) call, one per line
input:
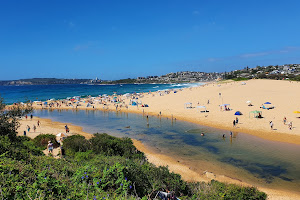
point(76, 143)
point(43, 139)
point(19, 148)
point(113, 146)
point(102, 144)
point(218, 190)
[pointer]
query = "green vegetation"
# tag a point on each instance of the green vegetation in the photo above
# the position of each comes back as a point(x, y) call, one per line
point(42, 140)
point(103, 167)
point(240, 79)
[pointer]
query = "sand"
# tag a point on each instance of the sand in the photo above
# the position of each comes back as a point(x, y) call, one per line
point(284, 96)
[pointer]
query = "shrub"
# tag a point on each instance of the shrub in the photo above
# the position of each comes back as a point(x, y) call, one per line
point(43, 139)
point(113, 146)
point(76, 143)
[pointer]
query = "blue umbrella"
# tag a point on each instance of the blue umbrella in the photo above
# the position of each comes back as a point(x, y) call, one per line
point(267, 102)
point(237, 113)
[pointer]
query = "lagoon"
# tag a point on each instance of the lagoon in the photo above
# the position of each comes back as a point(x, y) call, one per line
point(260, 162)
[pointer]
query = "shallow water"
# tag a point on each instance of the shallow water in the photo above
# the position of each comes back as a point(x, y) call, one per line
point(244, 157)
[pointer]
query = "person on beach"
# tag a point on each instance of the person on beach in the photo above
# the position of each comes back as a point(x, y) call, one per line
point(31, 116)
point(259, 115)
point(50, 147)
point(233, 123)
point(38, 123)
point(291, 125)
point(67, 128)
point(271, 125)
point(208, 101)
point(24, 133)
point(26, 117)
point(28, 128)
point(34, 128)
point(284, 120)
point(230, 134)
point(237, 120)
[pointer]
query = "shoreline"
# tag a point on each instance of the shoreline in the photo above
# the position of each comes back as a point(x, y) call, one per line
point(214, 118)
point(52, 127)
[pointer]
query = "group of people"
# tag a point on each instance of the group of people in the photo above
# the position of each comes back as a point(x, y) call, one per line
point(235, 122)
point(34, 126)
point(290, 124)
point(31, 116)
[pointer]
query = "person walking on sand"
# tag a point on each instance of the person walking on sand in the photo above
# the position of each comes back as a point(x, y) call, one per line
point(233, 123)
point(26, 117)
point(231, 134)
point(271, 125)
point(284, 120)
point(38, 123)
point(237, 120)
point(31, 116)
point(34, 128)
point(28, 128)
point(291, 125)
point(67, 128)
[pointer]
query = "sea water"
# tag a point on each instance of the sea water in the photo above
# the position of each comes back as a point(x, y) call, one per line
point(12, 94)
point(243, 157)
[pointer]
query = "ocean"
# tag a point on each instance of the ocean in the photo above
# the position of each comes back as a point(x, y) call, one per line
point(13, 94)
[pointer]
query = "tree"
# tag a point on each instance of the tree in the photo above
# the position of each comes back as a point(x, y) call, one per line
point(10, 116)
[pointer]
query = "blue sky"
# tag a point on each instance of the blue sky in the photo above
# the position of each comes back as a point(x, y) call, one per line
point(113, 39)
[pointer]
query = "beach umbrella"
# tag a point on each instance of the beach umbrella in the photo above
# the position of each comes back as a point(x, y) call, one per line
point(255, 111)
point(238, 113)
point(61, 135)
point(267, 102)
point(248, 101)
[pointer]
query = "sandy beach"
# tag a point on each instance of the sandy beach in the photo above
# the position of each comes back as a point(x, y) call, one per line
point(282, 95)
point(48, 126)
